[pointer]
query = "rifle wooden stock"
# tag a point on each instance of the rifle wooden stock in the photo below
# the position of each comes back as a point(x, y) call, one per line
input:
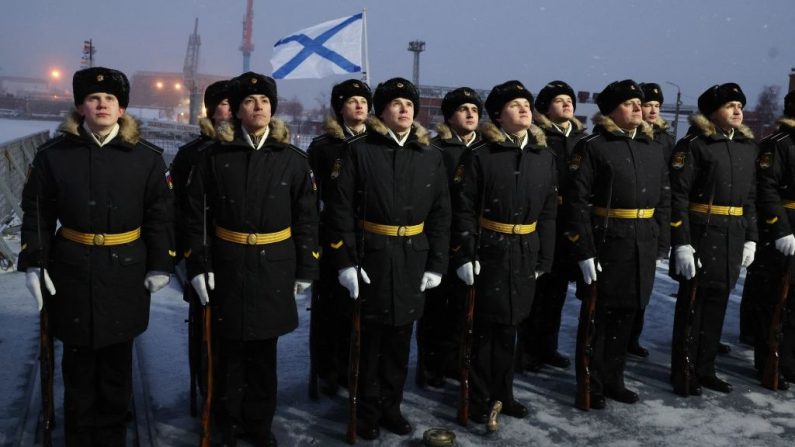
point(465, 358)
point(585, 337)
point(770, 373)
point(684, 366)
point(194, 344)
point(353, 369)
point(46, 370)
point(207, 341)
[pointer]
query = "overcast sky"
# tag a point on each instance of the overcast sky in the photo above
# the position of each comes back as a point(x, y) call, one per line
point(478, 43)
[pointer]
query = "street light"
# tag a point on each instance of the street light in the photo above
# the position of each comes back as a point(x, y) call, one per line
point(678, 104)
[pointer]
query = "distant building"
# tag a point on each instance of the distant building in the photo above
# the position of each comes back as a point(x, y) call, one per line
point(164, 94)
point(20, 86)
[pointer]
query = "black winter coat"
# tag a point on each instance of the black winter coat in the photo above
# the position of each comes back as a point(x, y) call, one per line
point(384, 183)
point(506, 184)
point(100, 295)
point(709, 167)
point(254, 191)
point(611, 170)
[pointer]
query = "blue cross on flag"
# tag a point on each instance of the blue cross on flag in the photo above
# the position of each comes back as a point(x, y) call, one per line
point(333, 47)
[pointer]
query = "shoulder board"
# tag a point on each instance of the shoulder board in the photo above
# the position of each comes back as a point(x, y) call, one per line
point(356, 138)
point(320, 138)
point(479, 145)
point(780, 136)
point(207, 143)
point(589, 138)
point(297, 150)
point(150, 146)
point(50, 143)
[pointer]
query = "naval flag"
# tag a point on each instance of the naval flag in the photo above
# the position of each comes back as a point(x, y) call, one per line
point(333, 47)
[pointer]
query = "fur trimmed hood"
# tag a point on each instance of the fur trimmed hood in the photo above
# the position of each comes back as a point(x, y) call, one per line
point(494, 134)
point(661, 124)
point(279, 132)
point(545, 123)
point(129, 129)
point(785, 121)
point(333, 128)
point(378, 126)
point(707, 128)
point(207, 128)
point(444, 132)
point(611, 126)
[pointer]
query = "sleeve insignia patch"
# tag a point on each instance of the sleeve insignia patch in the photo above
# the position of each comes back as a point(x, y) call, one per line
point(336, 245)
point(678, 160)
point(772, 220)
point(316, 254)
point(574, 162)
point(336, 168)
point(169, 180)
point(172, 253)
point(459, 174)
point(574, 237)
point(312, 177)
point(676, 224)
point(765, 160)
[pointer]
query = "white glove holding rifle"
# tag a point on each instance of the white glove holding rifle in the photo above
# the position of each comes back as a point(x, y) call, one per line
point(202, 286)
point(348, 278)
point(33, 283)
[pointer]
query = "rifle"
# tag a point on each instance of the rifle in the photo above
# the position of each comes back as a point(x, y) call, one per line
point(207, 342)
point(313, 328)
point(770, 373)
point(46, 366)
point(194, 342)
point(586, 327)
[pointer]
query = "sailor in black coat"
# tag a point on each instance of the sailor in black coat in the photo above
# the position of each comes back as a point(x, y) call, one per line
point(617, 208)
point(110, 193)
point(506, 200)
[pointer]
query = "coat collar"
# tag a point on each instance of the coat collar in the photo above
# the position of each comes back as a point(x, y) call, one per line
point(129, 130)
point(702, 125)
point(231, 134)
point(645, 131)
point(494, 134)
point(546, 124)
point(418, 133)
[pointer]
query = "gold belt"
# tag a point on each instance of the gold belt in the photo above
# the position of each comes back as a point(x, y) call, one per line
point(252, 238)
point(100, 238)
point(789, 204)
point(716, 209)
point(624, 213)
point(505, 228)
point(392, 230)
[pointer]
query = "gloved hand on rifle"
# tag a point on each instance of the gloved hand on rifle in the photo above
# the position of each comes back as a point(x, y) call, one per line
point(155, 280)
point(684, 256)
point(468, 271)
point(202, 286)
point(786, 245)
point(33, 283)
point(749, 249)
point(430, 280)
point(589, 267)
point(349, 279)
point(301, 285)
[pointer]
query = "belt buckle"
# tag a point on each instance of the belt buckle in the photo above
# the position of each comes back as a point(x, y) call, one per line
point(99, 239)
point(251, 239)
point(641, 213)
point(516, 229)
point(401, 231)
point(732, 210)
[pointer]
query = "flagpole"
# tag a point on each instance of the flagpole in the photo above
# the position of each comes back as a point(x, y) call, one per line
point(364, 48)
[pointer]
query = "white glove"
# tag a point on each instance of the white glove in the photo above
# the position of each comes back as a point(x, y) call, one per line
point(468, 271)
point(430, 280)
point(685, 261)
point(749, 249)
point(589, 268)
point(201, 286)
point(538, 274)
point(301, 285)
point(786, 245)
point(348, 279)
point(33, 282)
point(154, 280)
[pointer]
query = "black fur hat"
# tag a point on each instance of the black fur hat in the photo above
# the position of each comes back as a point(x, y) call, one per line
point(251, 83)
point(458, 97)
point(214, 94)
point(503, 93)
point(550, 92)
point(652, 92)
point(718, 95)
point(395, 88)
point(101, 79)
point(789, 104)
point(344, 90)
point(617, 92)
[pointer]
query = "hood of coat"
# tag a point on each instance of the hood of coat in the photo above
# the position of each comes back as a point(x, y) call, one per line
point(708, 129)
point(377, 126)
point(129, 129)
point(661, 124)
point(546, 124)
point(278, 131)
point(207, 128)
point(333, 128)
point(609, 125)
point(494, 134)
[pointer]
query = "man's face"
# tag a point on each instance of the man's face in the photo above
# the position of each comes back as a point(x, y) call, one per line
point(516, 116)
point(354, 110)
point(398, 115)
point(465, 119)
point(651, 111)
point(627, 115)
point(101, 111)
point(728, 116)
point(561, 109)
point(223, 112)
point(254, 112)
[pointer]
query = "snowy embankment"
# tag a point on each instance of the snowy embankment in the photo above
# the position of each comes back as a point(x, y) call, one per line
point(749, 416)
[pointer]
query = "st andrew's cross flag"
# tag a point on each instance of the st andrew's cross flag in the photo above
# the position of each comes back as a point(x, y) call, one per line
point(333, 47)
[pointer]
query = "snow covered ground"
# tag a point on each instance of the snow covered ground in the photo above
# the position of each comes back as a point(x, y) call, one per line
point(749, 416)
